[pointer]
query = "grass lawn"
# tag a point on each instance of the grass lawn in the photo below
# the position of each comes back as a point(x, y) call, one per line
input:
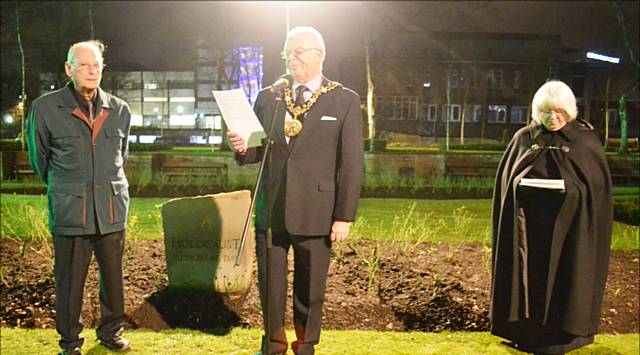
point(441, 221)
point(334, 342)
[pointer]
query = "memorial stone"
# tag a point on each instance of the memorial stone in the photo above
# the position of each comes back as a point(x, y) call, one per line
point(201, 237)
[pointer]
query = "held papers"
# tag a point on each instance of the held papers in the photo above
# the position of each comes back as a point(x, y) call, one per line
point(239, 116)
point(551, 184)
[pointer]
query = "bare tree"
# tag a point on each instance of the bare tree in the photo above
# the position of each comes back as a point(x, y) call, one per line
point(93, 30)
point(370, 94)
point(467, 83)
point(23, 93)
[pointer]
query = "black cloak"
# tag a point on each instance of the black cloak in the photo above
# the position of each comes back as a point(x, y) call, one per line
point(550, 249)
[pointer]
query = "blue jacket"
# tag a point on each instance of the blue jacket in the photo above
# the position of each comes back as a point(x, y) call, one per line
point(82, 165)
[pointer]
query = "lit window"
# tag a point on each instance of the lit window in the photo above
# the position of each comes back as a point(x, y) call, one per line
point(404, 108)
point(451, 112)
point(519, 114)
point(453, 78)
point(151, 86)
point(430, 112)
point(497, 114)
point(473, 113)
point(494, 79)
point(517, 78)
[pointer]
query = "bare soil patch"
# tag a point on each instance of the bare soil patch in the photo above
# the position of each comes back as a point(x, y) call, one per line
point(429, 287)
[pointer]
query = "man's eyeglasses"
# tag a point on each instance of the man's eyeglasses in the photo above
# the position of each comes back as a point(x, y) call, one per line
point(84, 66)
point(296, 52)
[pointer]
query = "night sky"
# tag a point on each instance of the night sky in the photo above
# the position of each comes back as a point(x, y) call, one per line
point(159, 34)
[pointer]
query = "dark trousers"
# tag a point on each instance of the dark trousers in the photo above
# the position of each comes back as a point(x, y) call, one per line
point(72, 258)
point(311, 263)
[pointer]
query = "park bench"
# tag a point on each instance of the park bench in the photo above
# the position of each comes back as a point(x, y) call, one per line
point(624, 172)
point(632, 143)
point(190, 170)
point(22, 169)
point(466, 166)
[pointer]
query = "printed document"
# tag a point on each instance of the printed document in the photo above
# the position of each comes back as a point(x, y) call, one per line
point(551, 184)
point(239, 116)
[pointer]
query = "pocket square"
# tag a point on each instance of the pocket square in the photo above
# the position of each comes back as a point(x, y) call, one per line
point(328, 118)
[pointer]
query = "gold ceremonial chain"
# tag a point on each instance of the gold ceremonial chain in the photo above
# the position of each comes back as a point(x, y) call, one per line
point(292, 128)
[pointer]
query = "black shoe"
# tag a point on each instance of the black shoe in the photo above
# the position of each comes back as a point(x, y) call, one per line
point(117, 344)
point(71, 351)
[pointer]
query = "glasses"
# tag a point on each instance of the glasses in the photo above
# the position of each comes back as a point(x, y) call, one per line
point(296, 52)
point(84, 66)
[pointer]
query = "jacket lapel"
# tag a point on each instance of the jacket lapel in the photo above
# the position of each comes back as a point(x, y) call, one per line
point(101, 117)
point(103, 103)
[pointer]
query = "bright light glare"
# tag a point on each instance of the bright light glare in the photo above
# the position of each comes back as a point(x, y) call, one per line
point(8, 119)
point(147, 139)
point(183, 99)
point(603, 57)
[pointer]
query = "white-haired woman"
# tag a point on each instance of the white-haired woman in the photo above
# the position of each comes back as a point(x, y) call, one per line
point(552, 216)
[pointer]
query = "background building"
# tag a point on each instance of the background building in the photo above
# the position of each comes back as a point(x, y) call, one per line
point(481, 84)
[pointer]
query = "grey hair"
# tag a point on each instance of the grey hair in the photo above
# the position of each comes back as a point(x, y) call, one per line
point(94, 44)
point(552, 95)
point(310, 30)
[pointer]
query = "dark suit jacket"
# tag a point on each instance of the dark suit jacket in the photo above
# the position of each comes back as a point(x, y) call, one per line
point(83, 167)
point(317, 180)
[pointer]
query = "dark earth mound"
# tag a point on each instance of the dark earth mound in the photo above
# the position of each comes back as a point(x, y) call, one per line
point(376, 286)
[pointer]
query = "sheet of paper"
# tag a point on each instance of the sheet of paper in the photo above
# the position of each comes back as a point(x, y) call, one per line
point(552, 184)
point(239, 116)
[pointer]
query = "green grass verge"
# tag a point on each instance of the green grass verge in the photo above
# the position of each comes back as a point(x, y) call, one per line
point(437, 150)
point(413, 221)
point(333, 342)
point(626, 190)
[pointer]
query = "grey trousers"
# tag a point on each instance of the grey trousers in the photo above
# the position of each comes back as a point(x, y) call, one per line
point(72, 258)
point(311, 263)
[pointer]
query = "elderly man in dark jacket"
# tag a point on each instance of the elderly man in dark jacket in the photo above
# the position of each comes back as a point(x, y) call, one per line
point(78, 145)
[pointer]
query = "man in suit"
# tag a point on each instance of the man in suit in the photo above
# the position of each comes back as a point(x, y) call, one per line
point(78, 145)
point(316, 168)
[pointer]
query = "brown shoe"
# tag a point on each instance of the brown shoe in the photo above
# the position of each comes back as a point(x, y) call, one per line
point(117, 344)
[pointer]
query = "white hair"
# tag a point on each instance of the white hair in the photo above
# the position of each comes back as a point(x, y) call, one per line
point(551, 95)
point(95, 45)
point(308, 30)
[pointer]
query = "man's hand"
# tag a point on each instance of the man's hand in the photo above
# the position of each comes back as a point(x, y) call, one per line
point(340, 231)
point(237, 143)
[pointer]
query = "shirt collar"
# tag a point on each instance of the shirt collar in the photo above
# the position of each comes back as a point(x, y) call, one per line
point(312, 85)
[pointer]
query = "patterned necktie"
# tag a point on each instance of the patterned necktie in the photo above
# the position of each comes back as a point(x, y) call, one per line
point(300, 100)
point(300, 90)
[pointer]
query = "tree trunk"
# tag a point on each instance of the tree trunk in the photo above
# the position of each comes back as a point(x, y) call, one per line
point(464, 109)
point(370, 95)
point(92, 27)
point(606, 109)
point(449, 110)
point(23, 94)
